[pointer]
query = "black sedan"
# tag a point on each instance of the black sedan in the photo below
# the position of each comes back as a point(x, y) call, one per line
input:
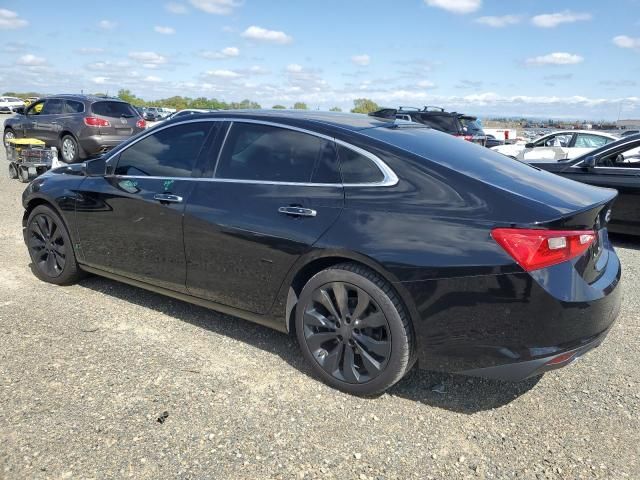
point(615, 165)
point(377, 243)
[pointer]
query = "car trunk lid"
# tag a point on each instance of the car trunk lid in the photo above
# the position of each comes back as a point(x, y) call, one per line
point(121, 118)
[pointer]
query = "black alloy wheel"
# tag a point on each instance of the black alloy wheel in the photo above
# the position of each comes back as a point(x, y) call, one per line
point(50, 247)
point(23, 174)
point(347, 332)
point(354, 330)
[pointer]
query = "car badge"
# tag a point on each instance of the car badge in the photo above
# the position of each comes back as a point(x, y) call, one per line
point(607, 217)
point(123, 121)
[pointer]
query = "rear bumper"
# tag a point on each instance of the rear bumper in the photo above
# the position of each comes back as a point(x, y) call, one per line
point(509, 326)
point(100, 143)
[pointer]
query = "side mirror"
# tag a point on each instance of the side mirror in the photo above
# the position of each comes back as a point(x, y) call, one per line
point(95, 168)
point(529, 145)
point(589, 162)
point(19, 110)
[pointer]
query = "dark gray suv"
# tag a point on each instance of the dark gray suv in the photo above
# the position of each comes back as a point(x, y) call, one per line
point(80, 126)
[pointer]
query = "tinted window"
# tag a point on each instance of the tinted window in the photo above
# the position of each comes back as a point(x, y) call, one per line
point(36, 108)
point(357, 168)
point(53, 107)
point(266, 153)
point(327, 169)
point(71, 106)
point(171, 152)
point(444, 123)
point(471, 125)
point(113, 109)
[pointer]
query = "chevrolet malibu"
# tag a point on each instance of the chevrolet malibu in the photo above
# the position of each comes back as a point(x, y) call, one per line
point(378, 244)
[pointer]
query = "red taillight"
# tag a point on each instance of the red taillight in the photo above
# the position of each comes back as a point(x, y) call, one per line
point(468, 138)
point(96, 122)
point(535, 249)
point(141, 123)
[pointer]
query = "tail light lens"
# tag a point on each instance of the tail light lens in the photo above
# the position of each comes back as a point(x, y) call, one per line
point(535, 249)
point(96, 122)
point(468, 138)
point(141, 123)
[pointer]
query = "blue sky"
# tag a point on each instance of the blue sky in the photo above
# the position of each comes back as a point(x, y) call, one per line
point(574, 59)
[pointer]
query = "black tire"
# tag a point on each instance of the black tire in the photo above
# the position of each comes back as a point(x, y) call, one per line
point(13, 171)
point(23, 174)
point(69, 149)
point(361, 350)
point(8, 133)
point(50, 248)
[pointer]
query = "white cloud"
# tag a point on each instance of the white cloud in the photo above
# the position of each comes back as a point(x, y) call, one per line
point(31, 60)
point(294, 68)
point(89, 50)
point(623, 41)
point(228, 52)
point(175, 8)
point(499, 22)
point(164, 30)
point(551, 20)
point(556, 58)
point(264, 35)
point(258, 70)
point(100, 80)
point(152, 79)
point(456, 6)
point(10, 20)
point(217, 7)
point(361, 60)
point(107, 24)
point(223, 73)
point(148, 59)
point(426, 84)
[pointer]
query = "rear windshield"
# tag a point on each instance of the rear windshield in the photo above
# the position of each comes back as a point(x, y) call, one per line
point(113, 109)
point(471, 124)
point(444, 123)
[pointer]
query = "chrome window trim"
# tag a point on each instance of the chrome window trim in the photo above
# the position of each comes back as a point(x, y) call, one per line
point(389, 177)
point(607, 152)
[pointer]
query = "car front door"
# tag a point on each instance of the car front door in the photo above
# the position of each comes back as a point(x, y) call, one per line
point(130, 219)
point(46, 125)
point(30, 121)
point(274, 192)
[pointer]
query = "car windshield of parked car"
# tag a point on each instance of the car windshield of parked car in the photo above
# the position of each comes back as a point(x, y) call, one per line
point(470, 125)
point(559, 140)
point(585, 140)
point(113, 109)
point(266, 153)
point(444, 123)
point(171, 152)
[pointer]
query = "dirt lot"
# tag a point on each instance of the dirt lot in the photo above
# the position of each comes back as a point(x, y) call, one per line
point(102, 380)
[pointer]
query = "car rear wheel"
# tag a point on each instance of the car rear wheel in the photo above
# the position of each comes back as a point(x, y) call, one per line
point(9, 134)
point(354, 330)
point(13, 172)
point(50, 247)
point(69, 150)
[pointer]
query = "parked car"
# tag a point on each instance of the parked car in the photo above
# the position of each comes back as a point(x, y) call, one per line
point(78, 125)
point(492, 141)
point(377, 243)
point(9, 104)
point(627, 133)
point(153, 114)
point(614, 165)
point(453, 123)
point(560, 145)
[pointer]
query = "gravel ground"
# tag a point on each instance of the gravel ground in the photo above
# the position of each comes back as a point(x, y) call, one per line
point(103, 380)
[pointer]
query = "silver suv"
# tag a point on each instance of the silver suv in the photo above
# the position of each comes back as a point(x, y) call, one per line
point(80, 126)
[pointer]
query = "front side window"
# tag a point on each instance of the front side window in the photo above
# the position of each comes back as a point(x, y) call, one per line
point(73, 106)
point(171, 152)
point(36, 108)
point(266, 153)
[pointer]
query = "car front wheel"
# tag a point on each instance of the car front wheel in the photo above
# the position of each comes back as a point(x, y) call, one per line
point(52, 256)
point(9, 134)
point(354, 330)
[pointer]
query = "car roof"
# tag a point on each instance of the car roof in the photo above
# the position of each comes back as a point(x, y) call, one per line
point(82, 97)
point(589, 132)
point(347, 121)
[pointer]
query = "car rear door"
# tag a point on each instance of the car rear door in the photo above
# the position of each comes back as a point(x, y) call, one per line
point(130, 220)
point(273, 192)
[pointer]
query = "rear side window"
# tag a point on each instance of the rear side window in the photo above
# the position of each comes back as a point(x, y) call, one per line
point(171, 152)
point(71, 106)
point(266, 153)
point(356, 168)
point(444, 123)
point(584, 140)
point(113, 109)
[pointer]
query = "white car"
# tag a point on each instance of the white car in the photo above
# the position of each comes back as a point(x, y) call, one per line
point(8, 104)
point(561, 145)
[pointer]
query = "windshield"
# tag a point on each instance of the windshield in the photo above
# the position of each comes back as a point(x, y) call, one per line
point(471, 125)
point(113, 109)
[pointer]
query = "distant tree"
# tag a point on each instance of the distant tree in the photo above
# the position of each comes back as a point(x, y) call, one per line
point(335, 109)
point(127, 96)
point(300, 106)
point(364, 105)
point(278, 107)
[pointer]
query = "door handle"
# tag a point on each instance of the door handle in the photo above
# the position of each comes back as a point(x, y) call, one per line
point(298, 211)
point(167, 198)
